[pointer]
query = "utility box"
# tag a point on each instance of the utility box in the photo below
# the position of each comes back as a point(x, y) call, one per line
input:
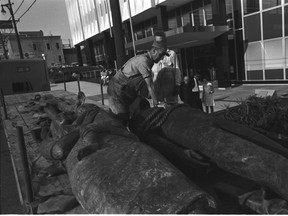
point(23, 75)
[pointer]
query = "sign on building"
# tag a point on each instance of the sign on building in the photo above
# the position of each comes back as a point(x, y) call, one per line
point(6, 24)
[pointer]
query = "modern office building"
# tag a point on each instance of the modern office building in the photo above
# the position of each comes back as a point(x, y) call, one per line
point(244, 40)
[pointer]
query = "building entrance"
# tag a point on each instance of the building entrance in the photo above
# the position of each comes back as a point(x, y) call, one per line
point(198, 60)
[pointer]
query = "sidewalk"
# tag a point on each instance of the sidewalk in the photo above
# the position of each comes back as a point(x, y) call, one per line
point(91, 90)
point(223, 98)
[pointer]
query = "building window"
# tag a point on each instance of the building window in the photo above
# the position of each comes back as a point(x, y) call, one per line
point(48, 46)
point(60, 58)
point(99, 51)
point(208, 14)
point(172, 21)
point(139, 32)
point(272, 23)
point(57, 45)
point(270, 3)
point(286, 20)
point(186, 15)
point(254, 59)
point(34, 47)
point(252, 28)
point(101, 13)
point(286, 51)
point(250, 6)
point(273, 54)
point(198, 17)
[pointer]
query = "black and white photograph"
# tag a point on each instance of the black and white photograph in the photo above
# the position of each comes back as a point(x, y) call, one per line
point(144, 107)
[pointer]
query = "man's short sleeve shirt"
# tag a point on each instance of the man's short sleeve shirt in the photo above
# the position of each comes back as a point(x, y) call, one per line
point(140, 64)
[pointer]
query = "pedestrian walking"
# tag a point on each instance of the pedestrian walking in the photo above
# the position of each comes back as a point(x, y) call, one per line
point(208, 96)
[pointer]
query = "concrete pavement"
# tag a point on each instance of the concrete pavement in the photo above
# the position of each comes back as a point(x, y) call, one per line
point(223, 97)
point(91, 90)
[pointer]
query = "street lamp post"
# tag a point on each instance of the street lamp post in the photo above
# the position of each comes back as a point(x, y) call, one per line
point(64, 81)
point(9, 6)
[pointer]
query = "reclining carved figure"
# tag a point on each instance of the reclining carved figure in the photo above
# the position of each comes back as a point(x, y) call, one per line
point(111, 171)
point(232, 147)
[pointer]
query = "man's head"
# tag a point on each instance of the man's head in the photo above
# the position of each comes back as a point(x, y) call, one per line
point(186, 79)
point(196, 76)
point(158, 50)
point(160, 36)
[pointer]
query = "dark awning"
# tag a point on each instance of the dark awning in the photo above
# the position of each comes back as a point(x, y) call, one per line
point(186, 36)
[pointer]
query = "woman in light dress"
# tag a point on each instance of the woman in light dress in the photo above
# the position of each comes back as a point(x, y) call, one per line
point(208, 96)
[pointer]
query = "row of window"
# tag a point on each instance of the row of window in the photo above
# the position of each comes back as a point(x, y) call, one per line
point(47, 46)
point(196, 13)
point(266, 46)
point(270, 55)
point(271, 22)
point(252, 6)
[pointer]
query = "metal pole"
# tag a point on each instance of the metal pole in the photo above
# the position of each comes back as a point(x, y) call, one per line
point(4, 48)
point(117, 32)
point(64, 81)
point(102, 96)
point(15, 28)
point(131, 27)
point(3, 104)
point(23, 158)
point(78, 82)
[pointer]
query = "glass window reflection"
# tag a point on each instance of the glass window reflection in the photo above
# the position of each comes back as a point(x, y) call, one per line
point(286, 20)
point(250, 6)
point(198, 17)
point(254, 59)
point(252, 28)
point(186, 15)
point(208, 14)
point(286, 51)
point(272, 23)
point(270, 3)
point(273, 54)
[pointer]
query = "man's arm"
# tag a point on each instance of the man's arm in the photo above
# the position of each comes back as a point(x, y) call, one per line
point(178, 75)
point(151, 90)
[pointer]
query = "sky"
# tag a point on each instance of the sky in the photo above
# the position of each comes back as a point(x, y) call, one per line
point(50, 16)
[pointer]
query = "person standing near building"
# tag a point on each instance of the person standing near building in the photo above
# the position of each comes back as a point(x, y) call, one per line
point(134, 75)
point(186, 91)
point(196, 101)
point(212, 73)
point(166, 74)
point(208, 96)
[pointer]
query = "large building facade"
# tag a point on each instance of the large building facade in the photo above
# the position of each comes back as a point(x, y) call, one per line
point(35, 46)
point(244, 40)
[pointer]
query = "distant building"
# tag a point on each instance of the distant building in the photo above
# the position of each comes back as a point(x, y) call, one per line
point(243, 40)
point(34, 45)
point(70, 54)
